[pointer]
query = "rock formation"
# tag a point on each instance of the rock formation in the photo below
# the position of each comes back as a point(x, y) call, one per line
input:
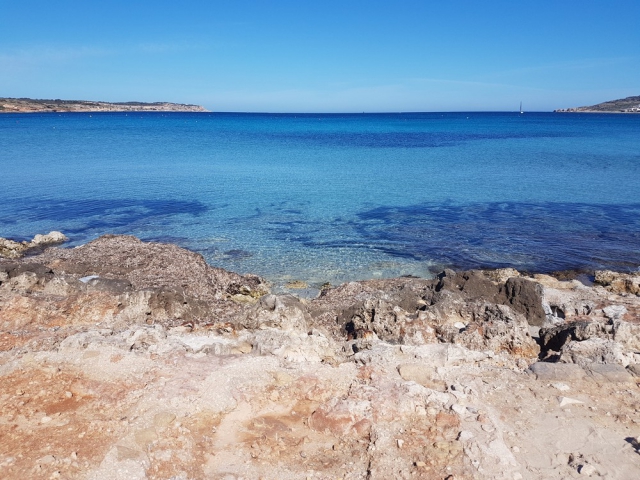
point(12, 249)
point(127, 359)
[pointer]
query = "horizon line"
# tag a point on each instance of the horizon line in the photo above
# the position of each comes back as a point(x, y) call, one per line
point(238, 112)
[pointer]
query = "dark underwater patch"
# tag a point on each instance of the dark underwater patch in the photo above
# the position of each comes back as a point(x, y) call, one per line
point(238, 254)
point(128, 209)
point(541, 237)
point(404, 139)
point(83, 217)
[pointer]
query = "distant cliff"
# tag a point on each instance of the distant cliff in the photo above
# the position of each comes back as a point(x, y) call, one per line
point(624, 105)
point(27, 105)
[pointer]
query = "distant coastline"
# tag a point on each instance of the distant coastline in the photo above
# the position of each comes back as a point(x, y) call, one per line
point(624, 105)
point(29, 105)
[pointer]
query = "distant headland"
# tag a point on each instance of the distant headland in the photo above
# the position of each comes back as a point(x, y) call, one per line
point(624, 105)
point(30, 105)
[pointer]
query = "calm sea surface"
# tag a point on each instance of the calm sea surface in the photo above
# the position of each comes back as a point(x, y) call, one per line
point(334, 197)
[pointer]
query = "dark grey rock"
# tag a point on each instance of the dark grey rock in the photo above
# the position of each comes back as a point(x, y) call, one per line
point(40, 270)
point(634, 369)
point(525, 296)
point(115, 286)
point(473, 284)
point(557, 371)
point(609, 373)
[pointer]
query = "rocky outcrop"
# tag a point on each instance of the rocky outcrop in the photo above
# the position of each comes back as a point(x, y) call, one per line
point(466, 308)
point(619, 283)
point(153, 265)
point(13, 249)
point(119, 280)
point(591, 325)
point(124, 358)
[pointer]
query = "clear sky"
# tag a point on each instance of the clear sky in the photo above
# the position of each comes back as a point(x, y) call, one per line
point(324, 55)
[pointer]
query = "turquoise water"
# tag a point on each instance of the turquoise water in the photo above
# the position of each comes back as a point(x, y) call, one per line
point(334, 197)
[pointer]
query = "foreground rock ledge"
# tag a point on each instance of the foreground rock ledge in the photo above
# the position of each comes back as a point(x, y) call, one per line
point(125, 359)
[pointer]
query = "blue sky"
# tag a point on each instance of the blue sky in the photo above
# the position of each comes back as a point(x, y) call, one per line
point(325, 55)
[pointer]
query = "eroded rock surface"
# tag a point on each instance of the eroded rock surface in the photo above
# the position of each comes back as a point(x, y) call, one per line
point(12, 249)
point(126, 359)
point(119, 280)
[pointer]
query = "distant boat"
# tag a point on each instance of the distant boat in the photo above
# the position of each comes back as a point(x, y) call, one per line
point(521, 112)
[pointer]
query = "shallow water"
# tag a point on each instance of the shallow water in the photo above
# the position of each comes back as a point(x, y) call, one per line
point(334, 197)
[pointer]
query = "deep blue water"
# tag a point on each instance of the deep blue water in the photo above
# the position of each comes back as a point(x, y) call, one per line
point(334, 197)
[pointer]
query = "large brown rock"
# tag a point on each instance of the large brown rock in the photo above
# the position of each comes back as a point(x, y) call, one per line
point(119, 280)
point(525, 296)
point(152, 265)
point(467, 308)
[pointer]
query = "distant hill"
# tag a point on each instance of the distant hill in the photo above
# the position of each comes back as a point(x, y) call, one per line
point(30, 105)
point(624, 105)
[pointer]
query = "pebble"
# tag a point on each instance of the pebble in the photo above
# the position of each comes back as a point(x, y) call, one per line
point(146, 436)
point(564, 401)
point(400, 443)
point(46, 460)
point(163, 419)
point(587, 470)
point(244, 347)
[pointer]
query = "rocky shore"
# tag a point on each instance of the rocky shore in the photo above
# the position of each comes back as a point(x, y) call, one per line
point(126, 359)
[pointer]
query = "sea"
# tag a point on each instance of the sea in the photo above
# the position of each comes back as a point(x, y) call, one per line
point(334, 197)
